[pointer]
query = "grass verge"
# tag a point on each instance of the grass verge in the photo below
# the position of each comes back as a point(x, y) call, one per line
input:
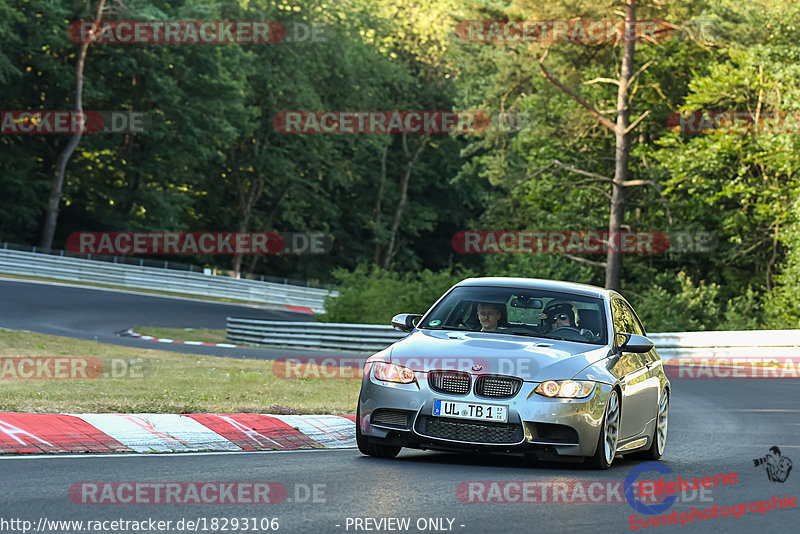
point(172, 382)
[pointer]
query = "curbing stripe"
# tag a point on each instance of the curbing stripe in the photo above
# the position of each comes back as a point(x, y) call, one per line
point(302, 309)
point(44, 432)
point(22, 433)
point(130, 333)
point(159, 432)
point(332, 431)
point(252, 431)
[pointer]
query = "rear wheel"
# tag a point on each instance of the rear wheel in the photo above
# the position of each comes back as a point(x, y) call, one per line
point(658, 441)
point(371, 446)
point(609, 433)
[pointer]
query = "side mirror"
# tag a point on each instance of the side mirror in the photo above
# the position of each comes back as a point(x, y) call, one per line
point(633, 343)
point(405, 321)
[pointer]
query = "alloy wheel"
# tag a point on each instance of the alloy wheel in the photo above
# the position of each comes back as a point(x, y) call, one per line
point(611, 429)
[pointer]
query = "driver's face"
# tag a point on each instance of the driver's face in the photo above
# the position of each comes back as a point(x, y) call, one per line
point(488, 316)
point(561, 319)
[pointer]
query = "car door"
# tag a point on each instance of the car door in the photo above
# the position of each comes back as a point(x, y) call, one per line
point(631, 369)
point(652, 383)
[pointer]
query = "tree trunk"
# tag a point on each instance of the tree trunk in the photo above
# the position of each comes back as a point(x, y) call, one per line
point(378, 209)
point(617, 213)
point(51, 217)
point(411, 159)
point(247, 203)
point(267, 224)
point(247, 195)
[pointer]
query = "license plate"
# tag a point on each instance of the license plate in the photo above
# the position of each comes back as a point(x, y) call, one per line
point(468, 410)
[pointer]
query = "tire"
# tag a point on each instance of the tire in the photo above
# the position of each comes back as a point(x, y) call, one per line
point(370, 446)
point(609, 435)
point(658, 441)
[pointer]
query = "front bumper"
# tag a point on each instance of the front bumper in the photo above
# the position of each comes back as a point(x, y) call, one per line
point(401, 414)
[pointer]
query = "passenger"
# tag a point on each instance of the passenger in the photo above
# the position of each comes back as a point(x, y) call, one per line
point(489, 314)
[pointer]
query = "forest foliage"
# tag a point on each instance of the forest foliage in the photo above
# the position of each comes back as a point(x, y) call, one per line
point(212, 160)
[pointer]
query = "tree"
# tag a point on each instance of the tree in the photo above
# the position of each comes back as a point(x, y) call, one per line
point(51, 217)
point(621, 129)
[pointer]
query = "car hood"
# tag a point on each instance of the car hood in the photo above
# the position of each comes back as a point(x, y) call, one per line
point(530, 358)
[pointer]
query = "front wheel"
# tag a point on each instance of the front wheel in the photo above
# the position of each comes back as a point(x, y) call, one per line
point(609, 433)
point(369, 447)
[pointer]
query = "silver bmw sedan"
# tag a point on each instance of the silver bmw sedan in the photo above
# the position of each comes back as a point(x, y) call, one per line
point(553, 370)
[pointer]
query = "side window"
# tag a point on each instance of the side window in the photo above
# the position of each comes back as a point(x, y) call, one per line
point(636, 327)
point(636, 320)
point(620, 317)
point(624, 319)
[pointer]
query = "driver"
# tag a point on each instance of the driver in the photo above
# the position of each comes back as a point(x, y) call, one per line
point(564, 314)
point(558, 314)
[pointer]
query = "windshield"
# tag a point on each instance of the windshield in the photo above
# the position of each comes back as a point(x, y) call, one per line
point(524, 312)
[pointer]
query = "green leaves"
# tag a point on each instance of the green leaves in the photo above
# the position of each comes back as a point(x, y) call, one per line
point(212, 159)
point(369, 295)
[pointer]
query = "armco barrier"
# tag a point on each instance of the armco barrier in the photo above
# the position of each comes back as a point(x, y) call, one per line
point(362, 337)
point(728, 344)
point(138, 277)
point(356, 337)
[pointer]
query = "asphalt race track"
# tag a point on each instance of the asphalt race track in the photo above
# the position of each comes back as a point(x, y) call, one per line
point(98, 314)
point(716, 427)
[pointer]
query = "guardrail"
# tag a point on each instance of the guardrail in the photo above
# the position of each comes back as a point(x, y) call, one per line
point(310, 335)
point(164, 264)
point(728, 344)
point(361, 337)
point(140, 277)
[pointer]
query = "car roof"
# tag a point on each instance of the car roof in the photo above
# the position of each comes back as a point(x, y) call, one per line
point(536, 283)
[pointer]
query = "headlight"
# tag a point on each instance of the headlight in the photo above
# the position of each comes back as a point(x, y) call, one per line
point(570, 389)
point(391, 372)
